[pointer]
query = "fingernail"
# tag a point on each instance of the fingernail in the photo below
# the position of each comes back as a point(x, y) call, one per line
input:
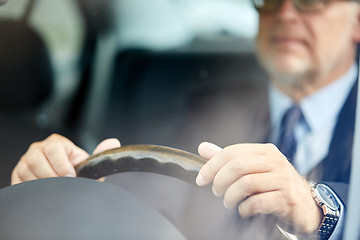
point(69, 175)
point(226, 206)
point(215, 192)
point(101, 179)
point(216, 147)
point(200, 181)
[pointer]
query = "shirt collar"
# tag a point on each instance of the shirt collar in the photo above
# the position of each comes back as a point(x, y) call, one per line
point(315, 107)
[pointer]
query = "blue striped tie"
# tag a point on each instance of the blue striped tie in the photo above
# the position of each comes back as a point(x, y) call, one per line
point(287, 141)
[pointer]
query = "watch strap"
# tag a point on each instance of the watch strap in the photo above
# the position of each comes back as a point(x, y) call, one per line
point(327, 226)
point(329, 220)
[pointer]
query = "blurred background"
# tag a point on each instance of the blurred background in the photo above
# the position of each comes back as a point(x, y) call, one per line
point(93, 69)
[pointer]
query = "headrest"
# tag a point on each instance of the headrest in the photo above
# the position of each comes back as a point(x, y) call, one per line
point(26, 74)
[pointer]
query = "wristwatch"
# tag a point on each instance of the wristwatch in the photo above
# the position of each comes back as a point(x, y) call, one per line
point(326, 200)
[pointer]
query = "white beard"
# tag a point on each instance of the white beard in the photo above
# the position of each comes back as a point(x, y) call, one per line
point(294, 76)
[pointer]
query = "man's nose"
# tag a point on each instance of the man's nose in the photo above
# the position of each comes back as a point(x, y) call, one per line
point(287, 9)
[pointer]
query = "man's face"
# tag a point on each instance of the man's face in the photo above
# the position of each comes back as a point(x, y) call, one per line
point(294, 45)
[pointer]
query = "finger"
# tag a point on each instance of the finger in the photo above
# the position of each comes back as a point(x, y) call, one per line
point(77, 155)
point(107, 144)
point(237, 168)
point(249, 185)
point(58, 154)
point(15, 179)
point(102, 179)
point(39, 165)
point(24, 173)
point(208, 150)
point(212, 167)
point(263, 203)
point(62, 154)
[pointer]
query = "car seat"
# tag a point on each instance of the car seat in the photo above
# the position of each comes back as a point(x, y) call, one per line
point(26, 82)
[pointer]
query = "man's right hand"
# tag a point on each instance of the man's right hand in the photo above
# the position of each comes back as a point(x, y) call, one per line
point(56, 156)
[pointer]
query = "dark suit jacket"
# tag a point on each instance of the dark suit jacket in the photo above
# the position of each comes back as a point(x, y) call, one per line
point(335, 168)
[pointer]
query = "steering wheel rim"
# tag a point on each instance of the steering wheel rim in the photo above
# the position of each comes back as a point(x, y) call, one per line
point(142, 158)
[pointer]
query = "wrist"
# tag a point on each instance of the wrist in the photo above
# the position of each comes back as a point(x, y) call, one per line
point(329, 210)
point(318, 219)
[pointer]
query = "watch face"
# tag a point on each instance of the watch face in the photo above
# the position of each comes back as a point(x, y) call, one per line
point(327, 197)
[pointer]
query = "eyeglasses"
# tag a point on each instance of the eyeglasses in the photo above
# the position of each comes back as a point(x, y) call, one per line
point(270, 6)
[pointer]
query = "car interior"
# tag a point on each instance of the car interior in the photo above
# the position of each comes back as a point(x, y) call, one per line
point(129, 69)
point(95, 69)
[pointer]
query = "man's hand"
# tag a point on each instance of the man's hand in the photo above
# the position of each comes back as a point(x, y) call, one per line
point(55, 156)
point(260, 180)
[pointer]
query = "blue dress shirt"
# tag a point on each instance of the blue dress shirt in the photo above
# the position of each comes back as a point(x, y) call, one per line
point(314, 133)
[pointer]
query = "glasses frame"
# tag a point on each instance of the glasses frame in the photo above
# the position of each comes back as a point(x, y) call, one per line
point(297, 4)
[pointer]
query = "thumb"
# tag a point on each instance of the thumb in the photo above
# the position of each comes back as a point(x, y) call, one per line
point(208, 150)
point(107, 144)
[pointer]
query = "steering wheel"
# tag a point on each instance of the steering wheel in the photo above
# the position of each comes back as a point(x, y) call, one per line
point(144, 158)
point(179, 165)
point(76, 208)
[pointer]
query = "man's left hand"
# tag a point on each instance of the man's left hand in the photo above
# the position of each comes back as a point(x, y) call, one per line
point(259, 179)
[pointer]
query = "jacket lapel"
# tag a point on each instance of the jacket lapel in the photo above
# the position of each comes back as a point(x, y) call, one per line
point(337, 164)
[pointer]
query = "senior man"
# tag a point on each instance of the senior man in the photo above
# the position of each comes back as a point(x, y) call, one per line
point(308, 49)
